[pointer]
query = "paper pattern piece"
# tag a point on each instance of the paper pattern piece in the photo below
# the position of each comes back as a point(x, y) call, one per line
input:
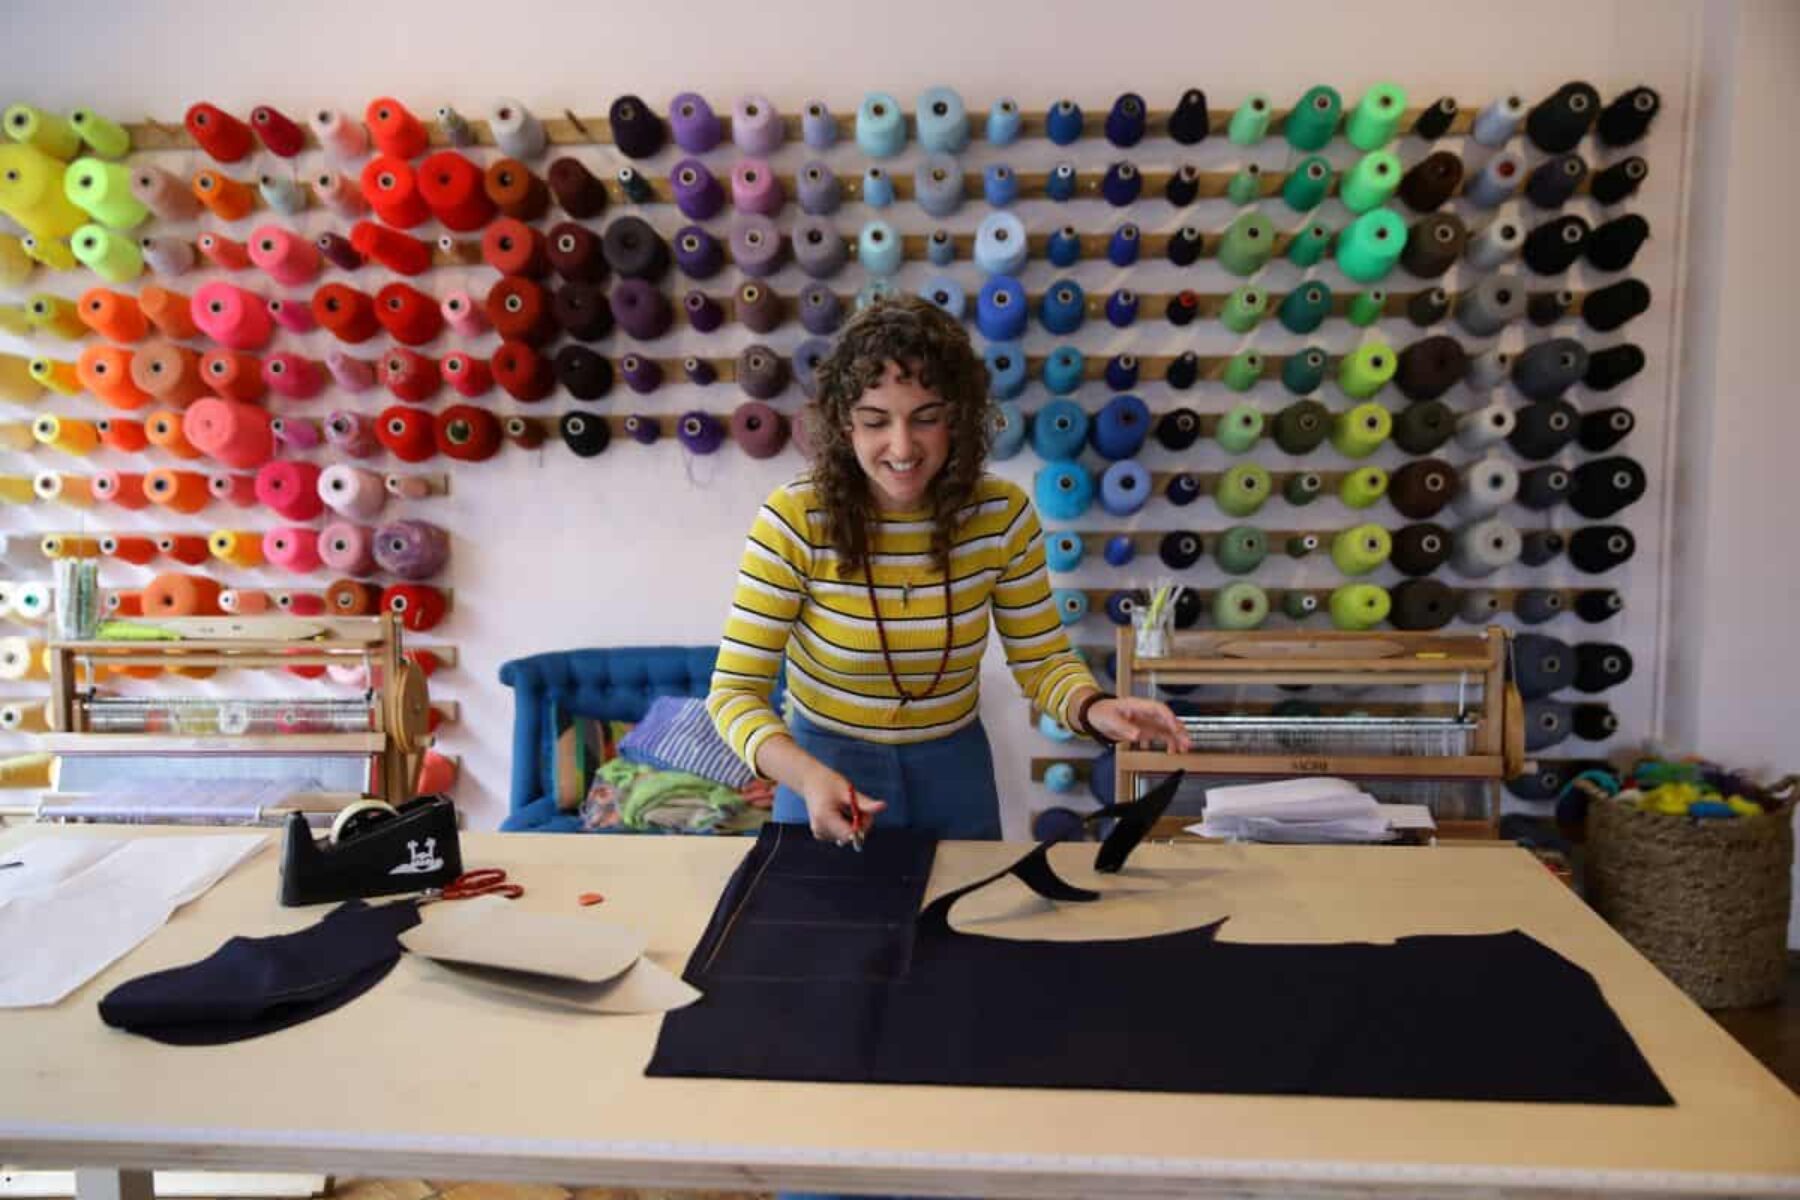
point(75, 907)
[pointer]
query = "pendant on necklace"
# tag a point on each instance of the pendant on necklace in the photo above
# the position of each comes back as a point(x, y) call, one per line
point(906, 593)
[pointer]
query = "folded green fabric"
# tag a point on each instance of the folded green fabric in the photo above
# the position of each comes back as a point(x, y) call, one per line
point(635, 796)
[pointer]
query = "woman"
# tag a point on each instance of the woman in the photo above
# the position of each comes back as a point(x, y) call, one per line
point(875, 575)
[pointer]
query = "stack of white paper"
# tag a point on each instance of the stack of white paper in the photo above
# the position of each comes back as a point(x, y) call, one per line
point(1320, 809)
point(70, 907)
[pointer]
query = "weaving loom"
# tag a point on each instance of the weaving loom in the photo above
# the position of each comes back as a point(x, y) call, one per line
point(1431, 719)
point(229, 759)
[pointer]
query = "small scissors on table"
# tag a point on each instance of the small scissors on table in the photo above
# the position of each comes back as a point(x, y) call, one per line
point(488, 881)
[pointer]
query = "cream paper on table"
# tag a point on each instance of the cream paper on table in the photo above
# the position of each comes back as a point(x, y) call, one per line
point(571, 961)
point(643, 987)
point(73, 907)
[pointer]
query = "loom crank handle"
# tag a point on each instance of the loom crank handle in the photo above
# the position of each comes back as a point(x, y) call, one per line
point(1512, 746)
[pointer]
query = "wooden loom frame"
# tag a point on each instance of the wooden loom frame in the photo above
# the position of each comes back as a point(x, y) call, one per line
point(400, 707)
point(1222, 658)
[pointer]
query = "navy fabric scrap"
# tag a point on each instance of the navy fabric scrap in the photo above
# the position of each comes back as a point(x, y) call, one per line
point(818, 965)
point(252, 986)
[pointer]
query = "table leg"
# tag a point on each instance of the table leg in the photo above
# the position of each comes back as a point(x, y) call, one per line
point(104, 1183)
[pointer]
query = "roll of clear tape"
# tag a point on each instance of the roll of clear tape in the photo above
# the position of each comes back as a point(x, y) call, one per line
point(359, 814)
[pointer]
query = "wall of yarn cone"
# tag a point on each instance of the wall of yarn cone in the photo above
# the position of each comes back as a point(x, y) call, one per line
point(1410, 316)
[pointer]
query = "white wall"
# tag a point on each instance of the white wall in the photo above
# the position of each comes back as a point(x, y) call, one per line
point(640, 546)
point(1739, 571)
point(1736, 576)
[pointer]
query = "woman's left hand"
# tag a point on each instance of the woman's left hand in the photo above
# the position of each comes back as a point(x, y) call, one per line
point(1134, 719)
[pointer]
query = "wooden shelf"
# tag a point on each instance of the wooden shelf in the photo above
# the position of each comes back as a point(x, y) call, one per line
point(569, 128)
point(305, 802)
point(157, 743)
point(1367, 766)
point(1083, 767)
point(348, 633)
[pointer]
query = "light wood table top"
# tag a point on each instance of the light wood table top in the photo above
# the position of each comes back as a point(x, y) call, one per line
point(422, 1076)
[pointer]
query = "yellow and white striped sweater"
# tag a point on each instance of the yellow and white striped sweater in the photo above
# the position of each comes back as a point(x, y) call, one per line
point(792, 600)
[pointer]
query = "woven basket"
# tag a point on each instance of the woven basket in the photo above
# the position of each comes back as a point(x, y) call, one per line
point(1706, 901)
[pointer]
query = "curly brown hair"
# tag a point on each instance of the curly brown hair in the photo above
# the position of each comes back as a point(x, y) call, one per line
point(932, 349)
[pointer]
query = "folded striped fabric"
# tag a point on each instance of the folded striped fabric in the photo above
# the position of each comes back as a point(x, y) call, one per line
point(678, 735)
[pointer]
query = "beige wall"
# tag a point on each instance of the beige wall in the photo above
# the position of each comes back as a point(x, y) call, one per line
point(1734, 649)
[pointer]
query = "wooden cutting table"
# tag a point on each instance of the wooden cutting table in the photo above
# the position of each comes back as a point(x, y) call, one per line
point(422, 1077)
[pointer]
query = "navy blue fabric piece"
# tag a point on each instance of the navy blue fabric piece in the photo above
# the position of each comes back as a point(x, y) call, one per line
point(814, 967)
point(252, 986)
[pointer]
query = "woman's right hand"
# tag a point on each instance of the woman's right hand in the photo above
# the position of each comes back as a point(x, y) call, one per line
point(829, 797)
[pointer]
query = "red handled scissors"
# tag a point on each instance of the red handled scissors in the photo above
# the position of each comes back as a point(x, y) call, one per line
point(489, 881)
point(856, 818)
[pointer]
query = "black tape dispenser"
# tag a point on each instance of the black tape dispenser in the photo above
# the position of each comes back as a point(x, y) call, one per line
point(374, 849)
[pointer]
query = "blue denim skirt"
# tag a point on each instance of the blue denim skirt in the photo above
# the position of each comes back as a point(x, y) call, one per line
point(945, 785)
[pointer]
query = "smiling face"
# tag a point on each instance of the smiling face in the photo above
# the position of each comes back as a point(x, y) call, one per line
point(897, 438)
point(900, 432)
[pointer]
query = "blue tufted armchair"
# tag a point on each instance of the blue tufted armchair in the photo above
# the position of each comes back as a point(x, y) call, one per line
point(614, 684)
